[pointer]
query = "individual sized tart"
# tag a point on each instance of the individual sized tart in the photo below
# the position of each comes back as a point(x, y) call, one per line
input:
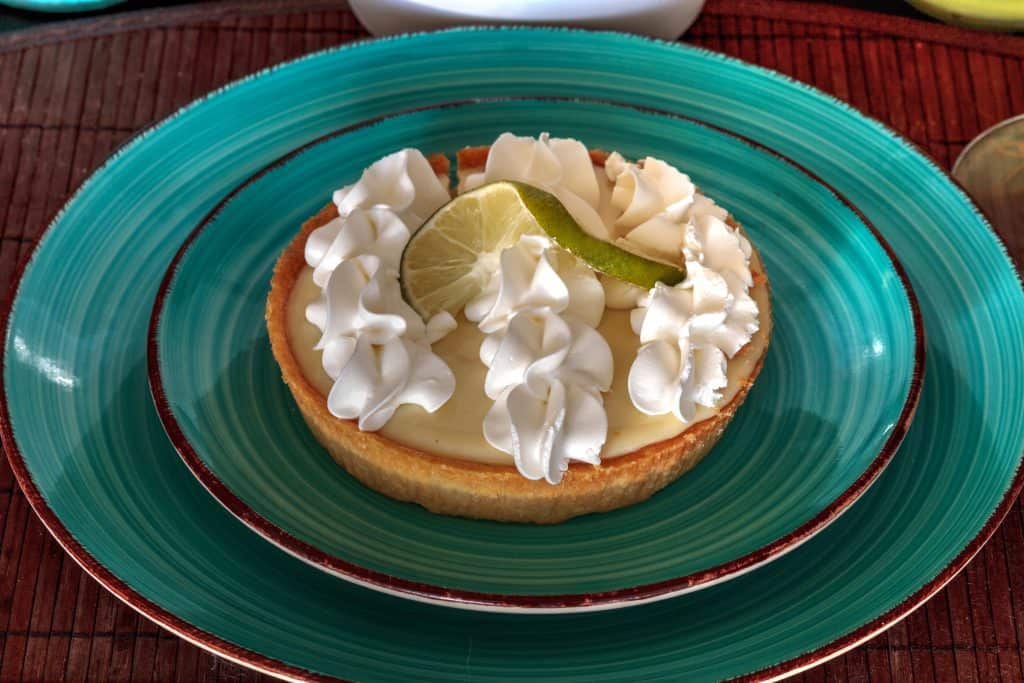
point(407, 403)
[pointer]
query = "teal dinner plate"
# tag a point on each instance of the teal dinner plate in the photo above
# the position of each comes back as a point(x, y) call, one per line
point(59, 6)
point(792, 460)
point(90, 452)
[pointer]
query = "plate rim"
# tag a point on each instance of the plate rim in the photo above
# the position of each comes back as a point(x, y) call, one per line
point(60, 6)
point(281, 669)
point(422, 591)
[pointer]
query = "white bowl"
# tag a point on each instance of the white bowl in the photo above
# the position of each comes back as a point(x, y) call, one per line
point(666, 19)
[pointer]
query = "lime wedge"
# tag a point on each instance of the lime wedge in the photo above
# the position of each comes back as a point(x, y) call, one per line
point(451, 257)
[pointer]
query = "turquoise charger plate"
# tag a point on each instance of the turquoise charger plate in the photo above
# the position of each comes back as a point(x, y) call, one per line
point(793, 459)
point(58, 6)
point(88, 448)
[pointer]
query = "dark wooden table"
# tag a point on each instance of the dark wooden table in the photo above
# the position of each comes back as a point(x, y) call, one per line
point(16, 19)
point(70, 93)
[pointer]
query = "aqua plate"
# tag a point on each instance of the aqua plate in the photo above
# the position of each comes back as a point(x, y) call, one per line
point(61, 6)
point(793, 460)
point(88, 448)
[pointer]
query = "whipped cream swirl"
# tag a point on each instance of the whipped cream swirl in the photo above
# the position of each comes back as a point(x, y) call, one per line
point(547, 364)
point(689, 331)
point(655, 201)
point(561, 166)
point(375, 347)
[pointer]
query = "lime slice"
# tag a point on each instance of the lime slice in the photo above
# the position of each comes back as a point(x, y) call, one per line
point(451, 257)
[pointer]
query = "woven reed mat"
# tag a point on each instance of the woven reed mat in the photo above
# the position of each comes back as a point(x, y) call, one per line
point(71, 93)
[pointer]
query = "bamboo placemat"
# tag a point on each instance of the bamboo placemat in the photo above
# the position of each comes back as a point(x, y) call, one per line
point(71, 93)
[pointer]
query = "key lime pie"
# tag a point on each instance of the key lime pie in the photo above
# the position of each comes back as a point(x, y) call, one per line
point(566, 332)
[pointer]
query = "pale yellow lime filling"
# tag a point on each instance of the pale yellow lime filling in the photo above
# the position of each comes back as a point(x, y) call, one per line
point(456, 429)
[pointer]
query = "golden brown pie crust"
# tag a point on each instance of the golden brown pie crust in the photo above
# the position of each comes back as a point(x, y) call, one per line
point(458, 487)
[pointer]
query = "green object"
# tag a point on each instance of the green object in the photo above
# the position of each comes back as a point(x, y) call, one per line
point(109, 483)
point(437, 275)
point(790, 452)
point(1006, 15)
point(602, 256)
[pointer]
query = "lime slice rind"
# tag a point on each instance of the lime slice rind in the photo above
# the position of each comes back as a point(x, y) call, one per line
point(449, 259)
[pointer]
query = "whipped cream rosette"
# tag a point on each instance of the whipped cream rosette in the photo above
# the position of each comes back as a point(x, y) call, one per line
point(547, 364)
point(375, 347)
point(561, 166)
